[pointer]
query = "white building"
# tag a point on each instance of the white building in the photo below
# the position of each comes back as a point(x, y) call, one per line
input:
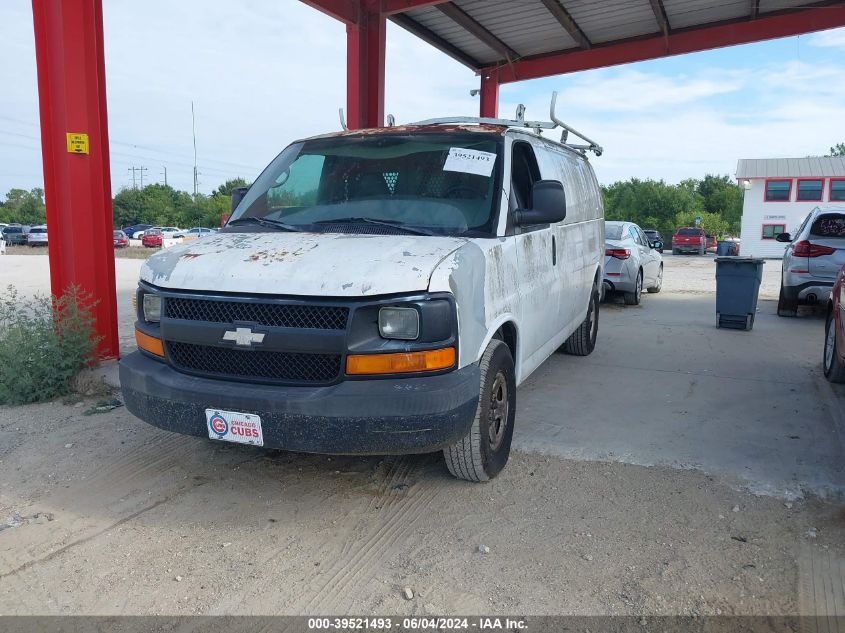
point(779, 192)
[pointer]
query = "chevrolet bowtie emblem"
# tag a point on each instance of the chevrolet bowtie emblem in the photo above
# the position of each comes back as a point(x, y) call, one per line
point(243, 336)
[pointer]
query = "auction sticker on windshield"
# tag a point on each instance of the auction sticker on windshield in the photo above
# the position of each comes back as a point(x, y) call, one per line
point(470, 161)
point(230, 426)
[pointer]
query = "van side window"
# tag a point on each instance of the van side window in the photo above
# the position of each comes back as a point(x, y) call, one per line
point(524, 173)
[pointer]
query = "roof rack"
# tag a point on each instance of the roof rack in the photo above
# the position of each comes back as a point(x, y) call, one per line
point(520, 121)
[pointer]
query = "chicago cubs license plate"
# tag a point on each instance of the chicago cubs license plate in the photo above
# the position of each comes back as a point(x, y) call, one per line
point(231, 426)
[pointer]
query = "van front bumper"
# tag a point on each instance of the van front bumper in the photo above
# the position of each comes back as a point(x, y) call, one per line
point(378, 416)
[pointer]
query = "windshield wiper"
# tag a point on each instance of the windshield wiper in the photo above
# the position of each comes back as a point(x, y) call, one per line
point(276, 224)
point(393, 224)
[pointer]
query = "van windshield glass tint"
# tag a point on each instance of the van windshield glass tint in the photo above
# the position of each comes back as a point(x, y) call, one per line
point(419, 181)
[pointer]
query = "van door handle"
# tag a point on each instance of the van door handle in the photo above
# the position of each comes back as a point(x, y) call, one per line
point(554, 251)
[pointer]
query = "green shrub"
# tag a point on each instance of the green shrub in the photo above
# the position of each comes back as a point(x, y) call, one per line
point(44, 343)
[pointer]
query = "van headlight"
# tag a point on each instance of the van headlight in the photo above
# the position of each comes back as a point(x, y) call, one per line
point(152, 308)
point(399, 323)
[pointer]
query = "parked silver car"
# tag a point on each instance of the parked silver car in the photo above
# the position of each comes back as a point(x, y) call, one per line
point(814, 256)
point(37, 236)
point(631, 261)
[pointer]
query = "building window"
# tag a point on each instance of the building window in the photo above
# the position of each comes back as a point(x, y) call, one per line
point(837, 189)
point(778, 190)
point(771, 231)
point(810, 190)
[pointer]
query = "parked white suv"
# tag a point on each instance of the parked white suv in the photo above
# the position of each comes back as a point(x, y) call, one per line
point(38, 236)
point(378, 291)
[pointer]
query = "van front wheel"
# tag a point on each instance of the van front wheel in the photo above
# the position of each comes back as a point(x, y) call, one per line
point(483, 453)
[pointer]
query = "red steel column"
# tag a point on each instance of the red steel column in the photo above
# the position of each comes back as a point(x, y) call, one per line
point(489, 106)
point(77, 185)
point(365, 56)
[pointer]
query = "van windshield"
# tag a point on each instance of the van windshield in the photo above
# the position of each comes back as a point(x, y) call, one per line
point(444, 184)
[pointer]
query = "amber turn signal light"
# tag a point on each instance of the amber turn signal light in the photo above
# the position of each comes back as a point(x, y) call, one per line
point(401, 363)
point(149, 343)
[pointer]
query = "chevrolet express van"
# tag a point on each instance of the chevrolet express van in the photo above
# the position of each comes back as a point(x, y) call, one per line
point(377, 291)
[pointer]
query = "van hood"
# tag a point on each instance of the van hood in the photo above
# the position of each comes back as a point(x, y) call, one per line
point(312, 264)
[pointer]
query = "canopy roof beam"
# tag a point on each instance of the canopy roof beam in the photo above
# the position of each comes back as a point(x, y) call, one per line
point(661, 17)
point(562, 15)
point(465, 21)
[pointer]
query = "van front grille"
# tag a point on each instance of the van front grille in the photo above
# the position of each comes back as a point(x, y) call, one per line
point(263, 366)
point(317, 317)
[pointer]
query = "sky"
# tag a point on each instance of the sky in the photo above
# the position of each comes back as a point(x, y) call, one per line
point(262, 73)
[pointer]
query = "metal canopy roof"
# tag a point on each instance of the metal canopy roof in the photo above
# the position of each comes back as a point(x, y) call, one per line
point(505, 36)
point(812, 166)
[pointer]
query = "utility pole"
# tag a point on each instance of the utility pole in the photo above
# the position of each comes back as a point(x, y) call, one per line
point(165, 174)
point(140, 175)
point(194, 132)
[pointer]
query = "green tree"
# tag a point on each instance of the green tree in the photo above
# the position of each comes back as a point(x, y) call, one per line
point(226, 188)
point(838, 150)
point(26, 207)
point(722, 196)
point(712, 223)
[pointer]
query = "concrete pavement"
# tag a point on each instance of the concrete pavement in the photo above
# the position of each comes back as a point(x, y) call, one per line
point(666, 387)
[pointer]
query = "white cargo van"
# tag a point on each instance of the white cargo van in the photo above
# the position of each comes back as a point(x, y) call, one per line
point(378, 291)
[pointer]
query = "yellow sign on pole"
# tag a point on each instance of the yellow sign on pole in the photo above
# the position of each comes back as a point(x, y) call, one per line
point(77, 143)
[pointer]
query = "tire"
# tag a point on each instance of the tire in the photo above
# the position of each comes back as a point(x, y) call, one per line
point(702, 249)
point(582, 341)
point(633, 298)
point(483, 453)
point(659, 284)
point(786, 307)
point(675, 251)
point(834, 369)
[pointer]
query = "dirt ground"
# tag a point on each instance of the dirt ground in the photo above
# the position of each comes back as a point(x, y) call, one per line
point(103, 514)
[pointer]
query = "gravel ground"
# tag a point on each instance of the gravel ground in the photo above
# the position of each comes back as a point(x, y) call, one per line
point(103, 514)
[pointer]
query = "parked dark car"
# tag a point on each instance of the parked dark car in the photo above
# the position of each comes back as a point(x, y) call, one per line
point(834, 333)
point(653, 236)
point(16, 235)
point(136, 228)
point(120, 239)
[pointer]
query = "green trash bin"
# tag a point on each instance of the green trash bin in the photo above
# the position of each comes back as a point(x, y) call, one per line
point(737, 286)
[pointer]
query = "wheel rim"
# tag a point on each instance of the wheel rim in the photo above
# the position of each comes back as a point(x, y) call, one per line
point(593, 317)
point(497, 422)
point(639, 289)
point(829, 345)
point(660, 278)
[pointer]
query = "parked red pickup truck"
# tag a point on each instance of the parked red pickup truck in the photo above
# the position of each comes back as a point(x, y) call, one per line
point(689, 240)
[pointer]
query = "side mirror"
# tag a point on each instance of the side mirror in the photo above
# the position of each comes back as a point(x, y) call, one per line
point(549, 204)
point(238, 194)
point(783, 237)
point(657, 245)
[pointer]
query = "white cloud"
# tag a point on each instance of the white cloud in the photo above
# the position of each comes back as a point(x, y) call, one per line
point(265, 72)
point(835, 38)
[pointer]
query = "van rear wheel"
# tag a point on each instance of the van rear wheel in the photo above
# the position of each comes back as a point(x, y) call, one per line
point(582, 341)
point(483, 453)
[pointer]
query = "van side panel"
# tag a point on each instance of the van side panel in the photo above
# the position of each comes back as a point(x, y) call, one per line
point(482, 275)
